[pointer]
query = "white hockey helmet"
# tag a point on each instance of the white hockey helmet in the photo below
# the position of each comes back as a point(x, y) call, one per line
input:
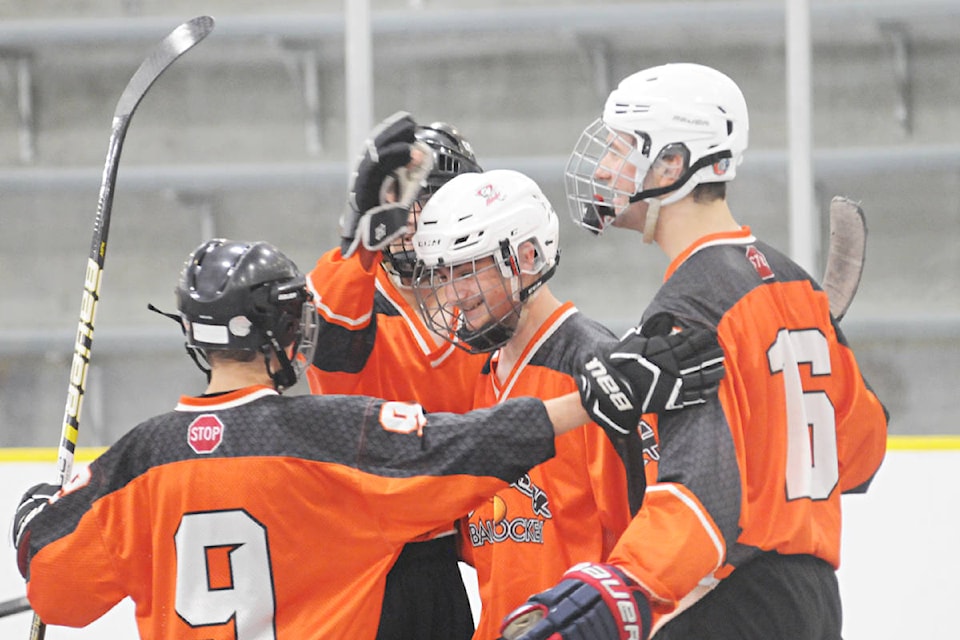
point(473, 217)
point(688, 115)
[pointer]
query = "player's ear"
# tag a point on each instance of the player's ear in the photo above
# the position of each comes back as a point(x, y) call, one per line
point(527, 256)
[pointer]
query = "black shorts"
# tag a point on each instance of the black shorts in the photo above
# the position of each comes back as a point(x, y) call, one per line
point(425, 598)
point(772, 597)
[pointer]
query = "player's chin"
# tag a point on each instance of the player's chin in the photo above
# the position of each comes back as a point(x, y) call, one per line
point(633, 216)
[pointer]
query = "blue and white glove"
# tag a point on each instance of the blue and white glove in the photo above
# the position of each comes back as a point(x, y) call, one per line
point(591, 602)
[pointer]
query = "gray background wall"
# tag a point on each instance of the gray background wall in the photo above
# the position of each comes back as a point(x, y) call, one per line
point(234, 141)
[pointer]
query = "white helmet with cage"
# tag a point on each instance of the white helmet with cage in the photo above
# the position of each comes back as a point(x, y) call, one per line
point(474, 272)
point(687, 121)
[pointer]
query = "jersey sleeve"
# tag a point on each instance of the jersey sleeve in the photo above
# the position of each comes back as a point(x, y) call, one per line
point(862, 425)
point(344, 295)
point(76, 571)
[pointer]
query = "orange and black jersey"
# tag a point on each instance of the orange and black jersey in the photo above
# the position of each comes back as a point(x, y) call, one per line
point(761, 467)
point(250, 515)
point(373, 343)
point(569, 509)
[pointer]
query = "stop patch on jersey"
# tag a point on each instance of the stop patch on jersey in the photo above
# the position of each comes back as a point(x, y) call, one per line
point(205, 434)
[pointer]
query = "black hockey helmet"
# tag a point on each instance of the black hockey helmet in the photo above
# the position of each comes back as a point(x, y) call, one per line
point(452, 155)
point(247, 296)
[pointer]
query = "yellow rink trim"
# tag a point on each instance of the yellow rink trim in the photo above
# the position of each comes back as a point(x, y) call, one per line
point(86, 454)
point(47, 454)
point(923, 443)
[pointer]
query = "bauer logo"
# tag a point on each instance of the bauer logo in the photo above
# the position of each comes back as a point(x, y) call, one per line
point(205, 434)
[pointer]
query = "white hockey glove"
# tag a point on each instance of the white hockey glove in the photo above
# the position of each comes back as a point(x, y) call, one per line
point(384, 185)
point(591, 602)
point(651, 370)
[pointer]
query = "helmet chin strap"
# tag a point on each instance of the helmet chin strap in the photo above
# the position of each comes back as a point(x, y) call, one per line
point(285, 377)
point(652, 217)
point(673, 192)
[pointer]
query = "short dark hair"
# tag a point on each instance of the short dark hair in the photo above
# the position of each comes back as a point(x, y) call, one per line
point(238, 355)
point(709, 191)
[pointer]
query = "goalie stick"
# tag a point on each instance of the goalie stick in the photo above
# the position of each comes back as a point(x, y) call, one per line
point(846, 254)
point(164, 54)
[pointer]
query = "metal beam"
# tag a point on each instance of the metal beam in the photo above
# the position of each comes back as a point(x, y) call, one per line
point(848, 161)
point(583, 19)
point(123, 341)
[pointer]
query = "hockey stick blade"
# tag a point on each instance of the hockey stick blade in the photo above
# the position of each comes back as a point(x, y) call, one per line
point(17, 605)
point(164, 54)
point(846, 254)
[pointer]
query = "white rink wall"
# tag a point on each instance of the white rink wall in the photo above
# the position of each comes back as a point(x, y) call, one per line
point(901, 556)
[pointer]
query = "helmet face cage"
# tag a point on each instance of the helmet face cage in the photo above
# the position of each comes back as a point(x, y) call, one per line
point(399, 257)
point(452, 156)
point(247, 297)
point(293, 322)
point(605, 170)
point(475, 304)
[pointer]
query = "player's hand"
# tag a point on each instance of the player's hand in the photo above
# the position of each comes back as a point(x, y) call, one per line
point(387, 179)
point(652, 369)
point(32, 503)
point(591, 602)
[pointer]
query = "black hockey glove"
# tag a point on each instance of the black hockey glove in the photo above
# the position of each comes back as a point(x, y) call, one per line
point(382, 187)
point(33, 502)
point(651, 370)
point(591, 602)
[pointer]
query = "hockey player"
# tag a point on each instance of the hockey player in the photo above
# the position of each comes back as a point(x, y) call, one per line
point(246, 514)
point(739, 537)
point(488, 244)
point(372, 342)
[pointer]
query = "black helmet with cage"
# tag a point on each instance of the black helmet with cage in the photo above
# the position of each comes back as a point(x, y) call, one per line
point(247, 298)
point(452, 156)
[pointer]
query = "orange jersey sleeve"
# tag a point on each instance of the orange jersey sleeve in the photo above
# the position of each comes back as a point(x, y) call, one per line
point(762, 467)
point(570, 509)
point(373, 343)
point(251, 515)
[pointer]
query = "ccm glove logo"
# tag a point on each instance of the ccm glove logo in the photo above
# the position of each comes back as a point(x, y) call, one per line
point(608, 385)
point(651, 370)
point(607, 397)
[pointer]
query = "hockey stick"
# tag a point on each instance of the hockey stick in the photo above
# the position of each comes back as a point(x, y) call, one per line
point(175, 44)
point(846, 254)
point(17, 605)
